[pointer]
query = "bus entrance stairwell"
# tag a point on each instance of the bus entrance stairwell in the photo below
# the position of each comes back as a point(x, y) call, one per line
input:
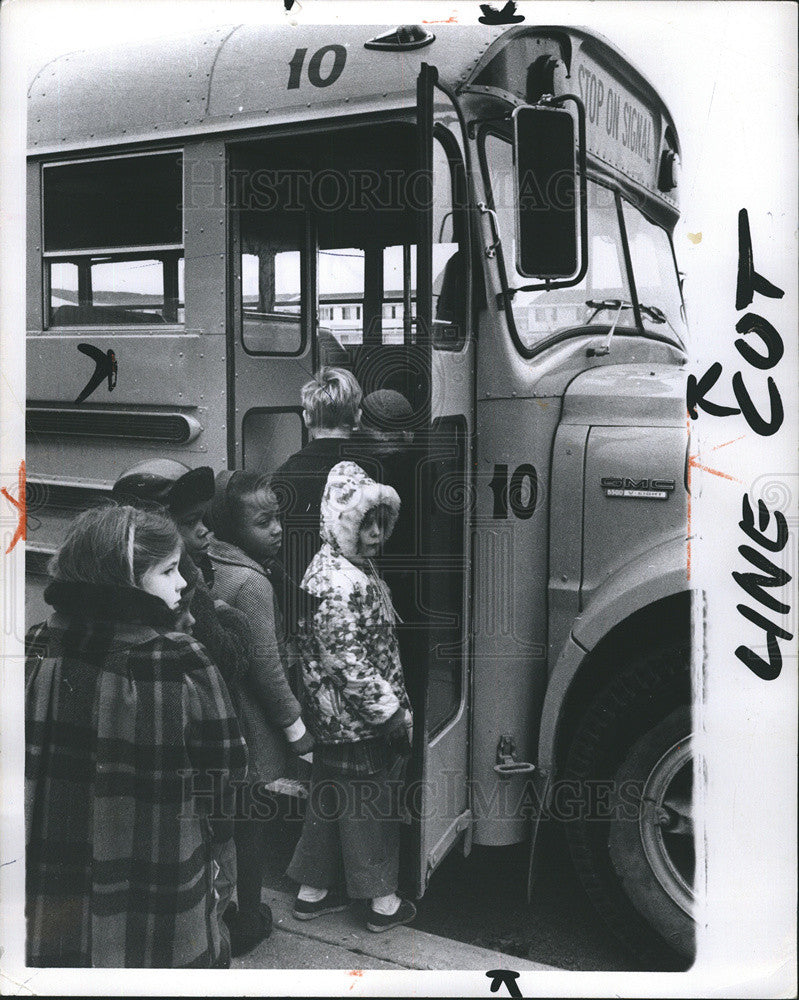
point(345, 252)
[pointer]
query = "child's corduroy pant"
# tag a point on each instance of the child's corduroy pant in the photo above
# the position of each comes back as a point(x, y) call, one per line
point(351, 824)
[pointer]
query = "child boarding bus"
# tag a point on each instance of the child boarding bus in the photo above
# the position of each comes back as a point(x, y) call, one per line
point(481, 218)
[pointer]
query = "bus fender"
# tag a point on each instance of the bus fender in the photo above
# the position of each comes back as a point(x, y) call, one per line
point(661, 572)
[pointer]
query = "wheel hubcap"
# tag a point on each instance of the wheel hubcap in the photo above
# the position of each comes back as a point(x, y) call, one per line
point(666, 823)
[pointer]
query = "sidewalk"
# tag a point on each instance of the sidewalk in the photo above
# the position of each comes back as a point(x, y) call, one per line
point(341, 941)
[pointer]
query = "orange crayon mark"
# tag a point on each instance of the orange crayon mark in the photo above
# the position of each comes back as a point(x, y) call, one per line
point(21, 506)
point(717, 446)
point(694, 463)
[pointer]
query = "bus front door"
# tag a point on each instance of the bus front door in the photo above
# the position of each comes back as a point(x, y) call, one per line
point(438, 795)
point(270, 343)
point(382, 288)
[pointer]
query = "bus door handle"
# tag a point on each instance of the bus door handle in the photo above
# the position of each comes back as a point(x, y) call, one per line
point(491, 249)
point(507, 765)
point(513, 768)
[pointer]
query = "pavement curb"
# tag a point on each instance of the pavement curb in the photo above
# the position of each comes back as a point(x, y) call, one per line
point(340, 940)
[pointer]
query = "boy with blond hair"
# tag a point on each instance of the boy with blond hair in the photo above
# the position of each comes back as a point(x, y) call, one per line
point(331, 404)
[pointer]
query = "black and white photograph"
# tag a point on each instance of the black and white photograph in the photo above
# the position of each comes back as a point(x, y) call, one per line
point(399, 498)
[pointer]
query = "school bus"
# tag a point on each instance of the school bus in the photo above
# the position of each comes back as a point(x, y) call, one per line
point(480, 217)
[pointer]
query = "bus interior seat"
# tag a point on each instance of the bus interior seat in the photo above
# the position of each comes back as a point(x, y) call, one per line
point(449, 306)
point(448, 329)
point(331, 352)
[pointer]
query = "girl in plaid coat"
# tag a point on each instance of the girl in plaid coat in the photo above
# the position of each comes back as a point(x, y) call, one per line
point(130, 742)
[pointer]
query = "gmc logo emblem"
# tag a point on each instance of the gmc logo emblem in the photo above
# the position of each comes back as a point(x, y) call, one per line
point(623, 483)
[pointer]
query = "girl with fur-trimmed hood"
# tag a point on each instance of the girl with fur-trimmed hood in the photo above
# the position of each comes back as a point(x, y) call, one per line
point(356, 707)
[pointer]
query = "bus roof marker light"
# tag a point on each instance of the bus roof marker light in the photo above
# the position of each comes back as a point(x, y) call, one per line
point(669, 173)
point(403, 38)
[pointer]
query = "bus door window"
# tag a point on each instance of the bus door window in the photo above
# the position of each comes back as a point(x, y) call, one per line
point(272, 275)
point(270, 280)
point(113, 241)
point(366, 257)
point(443, 539)
point(655, 273)
point(540, 314)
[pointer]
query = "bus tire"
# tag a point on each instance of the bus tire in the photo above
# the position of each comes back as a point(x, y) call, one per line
point(630, 837)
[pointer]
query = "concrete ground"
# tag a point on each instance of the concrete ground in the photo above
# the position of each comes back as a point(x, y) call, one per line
point(341, 941)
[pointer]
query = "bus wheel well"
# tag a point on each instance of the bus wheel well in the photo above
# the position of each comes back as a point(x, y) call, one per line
point(664, 621)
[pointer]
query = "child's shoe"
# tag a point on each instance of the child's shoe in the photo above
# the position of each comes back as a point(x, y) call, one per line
point(379, 922)
point(247, 929)
point(334, 901)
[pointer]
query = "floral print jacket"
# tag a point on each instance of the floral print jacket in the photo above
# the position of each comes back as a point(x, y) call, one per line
point(351, 666)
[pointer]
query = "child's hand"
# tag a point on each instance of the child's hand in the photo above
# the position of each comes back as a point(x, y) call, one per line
point(399, 742)
point(392, 724)
point(303, 745)
point(299, 739)
point(409, 726)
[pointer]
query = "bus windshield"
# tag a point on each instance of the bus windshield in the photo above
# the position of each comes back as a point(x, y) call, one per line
point(655, 272)
point(604, 293)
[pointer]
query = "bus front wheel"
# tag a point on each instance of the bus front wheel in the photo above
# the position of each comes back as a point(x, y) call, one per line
point(631, 839)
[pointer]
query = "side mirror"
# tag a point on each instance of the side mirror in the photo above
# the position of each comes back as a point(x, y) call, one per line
point(550, 194)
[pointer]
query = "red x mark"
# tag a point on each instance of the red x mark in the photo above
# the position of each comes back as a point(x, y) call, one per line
point(21, 507)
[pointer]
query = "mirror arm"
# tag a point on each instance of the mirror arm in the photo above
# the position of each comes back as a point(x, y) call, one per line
point(548, 283)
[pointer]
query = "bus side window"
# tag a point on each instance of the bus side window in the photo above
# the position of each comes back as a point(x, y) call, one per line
point(399, 294)
point(341, 273)
point(359, 307)
point(113, 241)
